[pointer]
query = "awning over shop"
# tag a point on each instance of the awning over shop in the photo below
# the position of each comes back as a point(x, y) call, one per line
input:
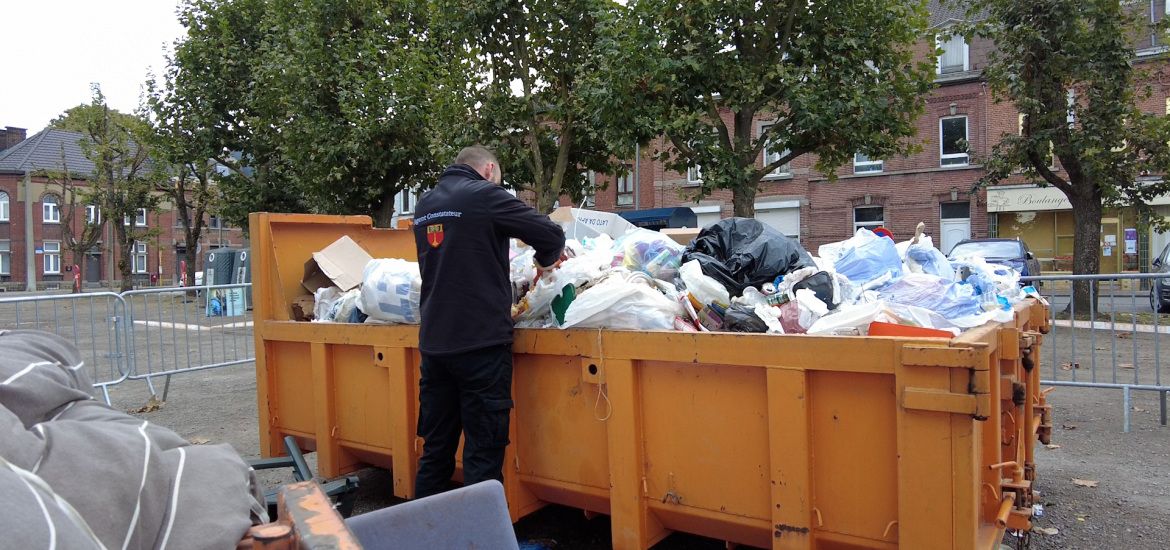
point(658, 218)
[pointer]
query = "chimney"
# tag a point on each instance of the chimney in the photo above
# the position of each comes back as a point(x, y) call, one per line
point(10, 136)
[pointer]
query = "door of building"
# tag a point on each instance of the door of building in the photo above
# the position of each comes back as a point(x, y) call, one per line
point(955, 224)
point(93, 267)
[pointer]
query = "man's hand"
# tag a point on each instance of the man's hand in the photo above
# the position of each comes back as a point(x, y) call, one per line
point(541, 271)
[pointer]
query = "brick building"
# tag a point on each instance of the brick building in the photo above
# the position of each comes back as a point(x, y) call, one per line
point(32, 210)
point(933, 186)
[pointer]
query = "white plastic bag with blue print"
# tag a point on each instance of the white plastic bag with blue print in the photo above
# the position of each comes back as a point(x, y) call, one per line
point(391, 290)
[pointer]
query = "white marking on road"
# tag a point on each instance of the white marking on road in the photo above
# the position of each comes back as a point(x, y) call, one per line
point(186, 326)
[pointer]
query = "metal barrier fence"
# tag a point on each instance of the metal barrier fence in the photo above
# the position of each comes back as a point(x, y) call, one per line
point(1116, 344)
point(95, 322)
point(142, 334)
point(171, 332)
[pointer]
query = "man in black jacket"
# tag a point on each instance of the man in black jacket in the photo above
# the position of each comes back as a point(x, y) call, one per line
point(461, 230)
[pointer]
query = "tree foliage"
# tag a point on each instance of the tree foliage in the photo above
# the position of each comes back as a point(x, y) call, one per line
point(124, 179)
point(533, 90)
point(835, 79)
point(1069, 67)
point(316, 105)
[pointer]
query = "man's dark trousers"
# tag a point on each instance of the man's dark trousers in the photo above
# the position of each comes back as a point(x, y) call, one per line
point(469, 392)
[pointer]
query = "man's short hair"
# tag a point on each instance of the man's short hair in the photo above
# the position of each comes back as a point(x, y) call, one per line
point(476, 156)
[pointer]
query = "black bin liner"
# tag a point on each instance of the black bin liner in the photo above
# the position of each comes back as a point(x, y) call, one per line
point(743, 252)
point(742, 319)
point(821, 284)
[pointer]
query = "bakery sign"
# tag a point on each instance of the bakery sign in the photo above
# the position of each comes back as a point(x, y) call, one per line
point(1024, 199)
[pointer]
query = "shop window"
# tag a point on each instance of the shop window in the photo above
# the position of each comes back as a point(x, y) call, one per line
point(52, 256)
point(625, 187)
point(50, 209)
point(868, 217)
point(862, 164)
point(953, 141)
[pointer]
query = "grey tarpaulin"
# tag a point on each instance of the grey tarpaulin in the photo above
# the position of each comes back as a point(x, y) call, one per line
point(76, 474)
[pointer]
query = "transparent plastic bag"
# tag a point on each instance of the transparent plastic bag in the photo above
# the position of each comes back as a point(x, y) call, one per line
point(323, 301)
point(391, 290)
point(923, 257)
point(617, 302)
point(933, 293)
point(864, 258)
point(650, 252)
point(705, 290)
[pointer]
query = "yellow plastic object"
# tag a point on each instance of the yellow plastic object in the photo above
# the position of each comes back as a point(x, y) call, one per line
point(771, 441)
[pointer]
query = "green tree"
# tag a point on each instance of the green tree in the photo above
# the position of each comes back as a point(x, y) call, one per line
point(124, 179)
point(833, 78)
point(1069, 67)
point(314, 105)
point(532, 96)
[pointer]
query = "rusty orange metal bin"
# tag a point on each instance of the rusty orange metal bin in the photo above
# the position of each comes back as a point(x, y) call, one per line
point(764, 440)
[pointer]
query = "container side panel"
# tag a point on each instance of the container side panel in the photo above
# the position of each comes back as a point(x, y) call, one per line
point(854, 456)
point(290, 372)
point(363, 397)
point(706, 437)
point(559, 435)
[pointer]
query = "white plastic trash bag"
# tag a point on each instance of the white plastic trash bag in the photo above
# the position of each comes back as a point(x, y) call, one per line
point(619, 303)
point(391, 290)
point(323, 301)
point(705, 289)
point(864, 258)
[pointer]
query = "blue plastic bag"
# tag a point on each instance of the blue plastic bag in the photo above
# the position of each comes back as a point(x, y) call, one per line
point(947, 298)
point(868, 257)
point(930, 260)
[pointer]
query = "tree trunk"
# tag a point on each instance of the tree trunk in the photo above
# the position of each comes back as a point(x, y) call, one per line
point(192, 242)
point(546, 199)
point(743, 200)
point(1087, 213)
point(384, 217)
point(125, 260)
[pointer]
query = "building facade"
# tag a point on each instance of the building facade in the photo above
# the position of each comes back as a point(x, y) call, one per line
point(937, 186)
point(34, 209)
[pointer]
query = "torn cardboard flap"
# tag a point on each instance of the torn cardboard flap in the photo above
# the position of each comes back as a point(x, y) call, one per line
point(682, 236)
point(579, 222)
point(340, 264)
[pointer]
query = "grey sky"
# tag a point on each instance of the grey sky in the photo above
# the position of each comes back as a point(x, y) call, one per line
point(54, 49)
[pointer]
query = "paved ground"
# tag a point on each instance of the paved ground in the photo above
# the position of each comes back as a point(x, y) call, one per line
point(1130, 506)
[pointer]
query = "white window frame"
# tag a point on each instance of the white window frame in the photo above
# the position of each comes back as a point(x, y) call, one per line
point(93, 214)
point(771, 155)
point(214, 222)
point(869, 166)
point(52, 258)
point(140, 254)
point(140, 214)
point(966, 156)
point(624, 185)
point(50, 211)
point(695, 175)
point(5, 257)
point(940, 41)
point(5, 206)
point(868, 225)
point(590, 189)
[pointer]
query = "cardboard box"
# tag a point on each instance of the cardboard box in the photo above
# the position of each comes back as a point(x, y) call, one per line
point(681, 236)
point(579, 222)
point(340, 264)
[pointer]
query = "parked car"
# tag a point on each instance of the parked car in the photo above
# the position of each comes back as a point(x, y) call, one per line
point(1160, 288)
point(1010, 252)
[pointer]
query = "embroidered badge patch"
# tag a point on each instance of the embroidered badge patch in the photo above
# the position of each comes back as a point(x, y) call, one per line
point(435, 235)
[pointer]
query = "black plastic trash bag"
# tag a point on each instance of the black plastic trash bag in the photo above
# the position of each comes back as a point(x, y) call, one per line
point(743, 319)
point(742, 252)
point(821, 284)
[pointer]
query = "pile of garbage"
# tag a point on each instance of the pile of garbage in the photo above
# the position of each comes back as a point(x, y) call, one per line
point(736, 275)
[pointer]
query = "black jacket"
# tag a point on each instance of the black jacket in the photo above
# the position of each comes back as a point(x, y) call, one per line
point(461, 230)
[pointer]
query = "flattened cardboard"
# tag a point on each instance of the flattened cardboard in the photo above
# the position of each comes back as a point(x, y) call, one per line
point(579, 222)
point(340, 264)
point(681, 236)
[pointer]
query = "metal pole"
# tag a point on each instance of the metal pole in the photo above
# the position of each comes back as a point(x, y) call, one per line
point(1125, 417)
